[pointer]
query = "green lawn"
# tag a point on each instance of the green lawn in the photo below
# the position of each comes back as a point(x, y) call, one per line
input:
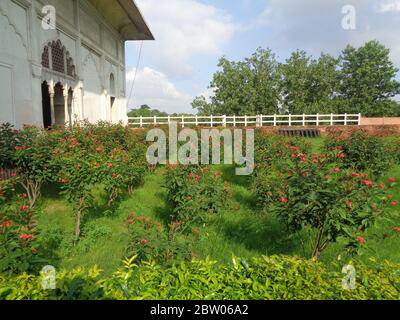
point(240, 230)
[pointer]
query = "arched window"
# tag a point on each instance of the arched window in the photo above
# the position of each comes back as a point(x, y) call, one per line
point(112, 85)
point(56, 58)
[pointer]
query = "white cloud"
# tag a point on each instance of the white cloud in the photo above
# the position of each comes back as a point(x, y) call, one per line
point(183, 29)
point(389, 6)
point(156, 90)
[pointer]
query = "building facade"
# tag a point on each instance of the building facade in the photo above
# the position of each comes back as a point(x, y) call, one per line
point(70, 68)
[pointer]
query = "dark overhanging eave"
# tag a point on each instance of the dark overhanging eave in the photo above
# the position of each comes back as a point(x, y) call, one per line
point(140, 31)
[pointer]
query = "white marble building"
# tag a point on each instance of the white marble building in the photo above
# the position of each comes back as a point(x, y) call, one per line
point(73, 71)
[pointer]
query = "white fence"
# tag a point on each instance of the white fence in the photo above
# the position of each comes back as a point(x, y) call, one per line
point(250, 121)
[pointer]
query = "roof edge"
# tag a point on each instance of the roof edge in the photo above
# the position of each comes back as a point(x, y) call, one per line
point(137, 20)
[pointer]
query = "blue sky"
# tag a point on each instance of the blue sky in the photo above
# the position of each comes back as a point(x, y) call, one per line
point(191, 35)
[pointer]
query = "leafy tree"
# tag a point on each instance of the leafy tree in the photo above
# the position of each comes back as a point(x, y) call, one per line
point(244, 87)
point(308, 85)
point(367, 81)
point(146, 111)
point(204, 107)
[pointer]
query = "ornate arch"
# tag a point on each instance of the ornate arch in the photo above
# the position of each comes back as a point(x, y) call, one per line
point(57, 58)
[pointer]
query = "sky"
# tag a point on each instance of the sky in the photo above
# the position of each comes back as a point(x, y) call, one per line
point(191, 36)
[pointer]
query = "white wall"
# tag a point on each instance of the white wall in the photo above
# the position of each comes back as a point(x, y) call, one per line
point(97, 50)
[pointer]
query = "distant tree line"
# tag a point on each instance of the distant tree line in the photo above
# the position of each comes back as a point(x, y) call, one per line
point(361, 80)
point(146, 111)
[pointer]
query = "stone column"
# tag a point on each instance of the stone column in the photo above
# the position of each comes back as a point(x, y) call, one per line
point(66, 113)
point(53, 114)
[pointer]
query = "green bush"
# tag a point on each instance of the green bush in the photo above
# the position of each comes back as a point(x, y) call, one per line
point(317, 193)
point(194, 193)
point(8, 142)
point(150, 241)
point(265, 278)
point(364, 152)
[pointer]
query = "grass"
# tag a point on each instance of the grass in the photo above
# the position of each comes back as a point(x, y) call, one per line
point(240, 230)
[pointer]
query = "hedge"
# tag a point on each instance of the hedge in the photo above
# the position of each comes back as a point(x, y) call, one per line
point(265, 278)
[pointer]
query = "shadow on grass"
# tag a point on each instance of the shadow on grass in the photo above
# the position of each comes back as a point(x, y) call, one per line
point(231, 177)
point(266, 235)
point(164, 212)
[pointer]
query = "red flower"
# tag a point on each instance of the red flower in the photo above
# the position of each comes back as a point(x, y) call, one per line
point(341, 155)
point(294, 148)
point(130, 221)
point(34, 250)
point(361, 240)
point(144, 242)
point(293, 156)
point(382, 186)
point(26, 237)
point(284, 200)
point(227, 189)
point(19, 148)
point(115, 150)
point(99, 149)
point(397, 230)
point(303, 159)
point(337, 170)
point(391, 179)
point(315, 161)
point(367, 183)
point(110, 165)
point(6, 224)
point(23, 195)
point(394, 203)
point(140, 218)
point(305, 174)
point(24, 208)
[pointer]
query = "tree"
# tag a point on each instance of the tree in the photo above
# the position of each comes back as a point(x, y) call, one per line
point(244, 87)
point(203, 107)
point(367, 81)
point(308, 85)
point(146, 111)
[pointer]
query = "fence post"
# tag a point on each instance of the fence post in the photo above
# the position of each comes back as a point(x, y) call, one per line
point(317, 119)
point(245, 121)
point(345, 119)
point(211, 121)
point(261, 121)
point(290, 120)
point(304, 120)
point(234, 120)
point(359, 119)
point(197, 121)
point(183, 121)
point(224, 120)
point(141, 121)
point(169, 120)
point(331, 119)
point(155, 120)
point(274, 120)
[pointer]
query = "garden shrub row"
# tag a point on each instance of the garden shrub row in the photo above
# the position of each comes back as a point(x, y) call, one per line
point(331, 194)
point(264, 278)
point(73, 161)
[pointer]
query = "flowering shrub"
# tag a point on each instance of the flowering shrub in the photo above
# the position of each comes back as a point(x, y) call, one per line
point(32, 159)
point(8, 142)
point(194, 193)
point(150, 241)
point(317, 192)
point(264, 278)
point(269, 149)
point(20, 249)
point(363, 152)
